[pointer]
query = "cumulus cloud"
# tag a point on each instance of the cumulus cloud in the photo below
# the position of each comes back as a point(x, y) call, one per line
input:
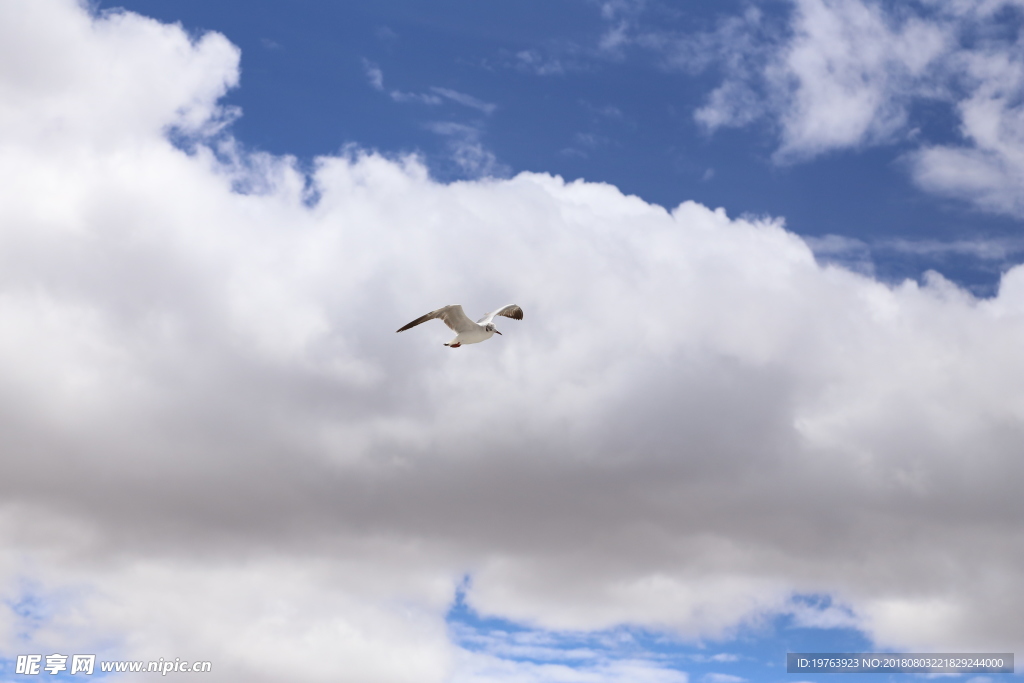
point(95, 93)
point(216, 447)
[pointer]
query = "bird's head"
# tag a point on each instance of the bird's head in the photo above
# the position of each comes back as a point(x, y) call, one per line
point(490, 328)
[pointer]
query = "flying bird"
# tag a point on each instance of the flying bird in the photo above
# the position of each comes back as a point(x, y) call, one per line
point(467, 331)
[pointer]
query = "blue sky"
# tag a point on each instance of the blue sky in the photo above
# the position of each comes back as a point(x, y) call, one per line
point(766, 397)
point(561, 96)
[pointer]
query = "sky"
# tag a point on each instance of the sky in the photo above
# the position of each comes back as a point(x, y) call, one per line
point(767, 396)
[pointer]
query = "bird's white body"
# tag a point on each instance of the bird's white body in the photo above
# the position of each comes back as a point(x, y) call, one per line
point(475, 335)
point(467, 331)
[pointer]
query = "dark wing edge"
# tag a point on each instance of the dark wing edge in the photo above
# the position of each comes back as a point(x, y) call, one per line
point(447, 315)
point(511, 311)
point(418, 321)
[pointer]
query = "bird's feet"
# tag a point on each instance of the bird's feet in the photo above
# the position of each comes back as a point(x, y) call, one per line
point(454, 346)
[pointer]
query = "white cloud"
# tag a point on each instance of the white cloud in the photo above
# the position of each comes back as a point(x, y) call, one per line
point(418, 98)
point(1001, 249)
point(560, 57)
point(477, 668)
point(614, 9)
point(722, 678)
point(991, 254)
point(805, 615)
point(376, 78)
point(846, 252)
point(93, 94)
point(843, 76)
point(216, 447)
point(466, 100)
point(731, 104)
point(620, 16)
point(467, 150)
point(374, 75)
point(265, 619)
point(849, 72)
point(501, 655)
point(720, 657)
point(614, 38)
point(989, 169)
point(534, 62)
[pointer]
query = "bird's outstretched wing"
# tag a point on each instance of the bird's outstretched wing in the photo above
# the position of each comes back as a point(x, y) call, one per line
point(453, 316)
point(511, 311)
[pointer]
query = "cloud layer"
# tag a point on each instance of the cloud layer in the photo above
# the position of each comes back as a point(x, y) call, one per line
point(216, 447)
point(847, 74)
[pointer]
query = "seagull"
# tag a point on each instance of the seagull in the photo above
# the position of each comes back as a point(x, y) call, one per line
point(467, 331)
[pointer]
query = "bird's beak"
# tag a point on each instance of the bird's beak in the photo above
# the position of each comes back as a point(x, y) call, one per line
point(496, 332)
